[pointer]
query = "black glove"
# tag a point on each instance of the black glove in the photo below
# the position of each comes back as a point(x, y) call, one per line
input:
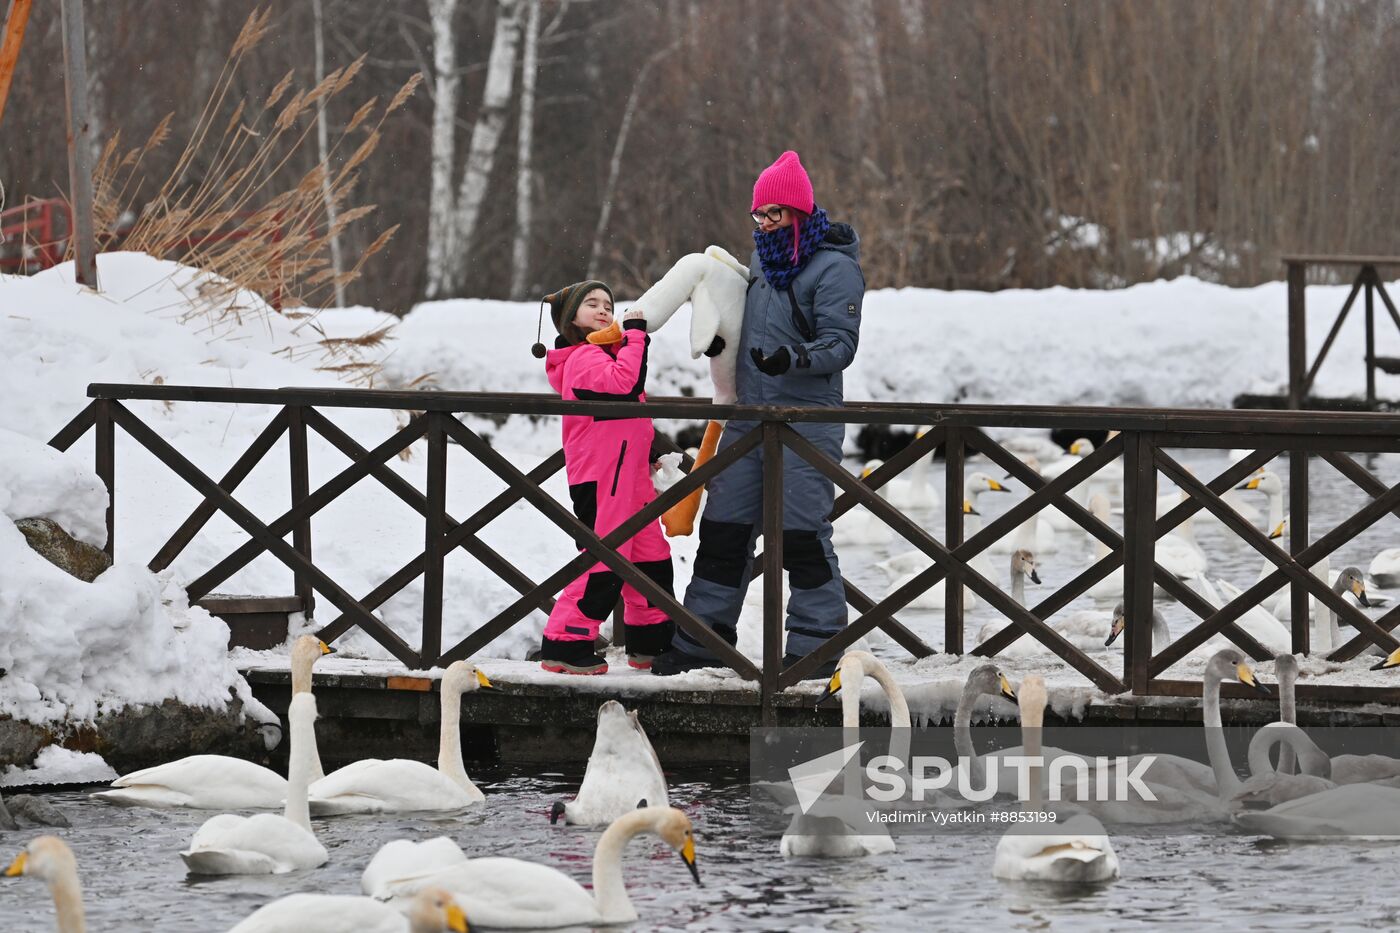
point(635, 323)
point(774, 365)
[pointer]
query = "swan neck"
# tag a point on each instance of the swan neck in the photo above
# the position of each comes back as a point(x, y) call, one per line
point(450, 738)
point(899, 707)
point(1324, 619)
point(850, 695)
point(609, 893)
point(68, 903)
point(1018, 587)
point(1031, 722)
point(962, 732)
point(1219, 752)
point(1161, 635)
point(299, 769)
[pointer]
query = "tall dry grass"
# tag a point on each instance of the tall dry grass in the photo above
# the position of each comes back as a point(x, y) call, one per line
point(228, 209)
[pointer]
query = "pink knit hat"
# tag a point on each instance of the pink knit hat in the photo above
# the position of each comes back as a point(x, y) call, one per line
point(785, 182)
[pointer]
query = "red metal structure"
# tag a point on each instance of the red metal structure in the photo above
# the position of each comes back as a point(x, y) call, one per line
point(34, 235)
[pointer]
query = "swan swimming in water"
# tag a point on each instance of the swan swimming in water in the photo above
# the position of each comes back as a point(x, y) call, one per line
point(50, 860)
point(1078, 850)
point(431, 911)
point(836, 827)
point(508, 893)
point(400, 785)
point(266, 844)
point(623, 772)
point(220, 782)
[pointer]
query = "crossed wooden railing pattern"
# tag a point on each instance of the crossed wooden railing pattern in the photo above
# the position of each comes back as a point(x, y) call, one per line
point(1143, 444)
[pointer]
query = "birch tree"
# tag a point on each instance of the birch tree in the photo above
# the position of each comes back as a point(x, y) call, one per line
point(323, 153)
point(524, 141)
point(485, 139)
point(441, 14)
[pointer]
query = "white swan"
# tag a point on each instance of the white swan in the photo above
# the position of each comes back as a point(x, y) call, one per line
point(836, 827)
point(1349, 813)
point(860, 525)
point(1161, 635)
point(431, 911)
point(266, 844)
point(50, 860)
point(1257, 621)
point(913, 491)
point(1268, 787)
point(623, 772)
point(508, 893)
point(1110, 588)
point(1081, 628)
point(401, 785)
point(1078, 850)
point(404, 858)
point(1385, 568)
point(1178, 553)
point(220, 782)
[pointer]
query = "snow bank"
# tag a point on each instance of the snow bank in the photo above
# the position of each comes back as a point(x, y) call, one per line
point(56, 765)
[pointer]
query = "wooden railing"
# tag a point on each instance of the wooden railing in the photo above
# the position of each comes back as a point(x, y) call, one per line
point(1301, 375)
point(1143, 442)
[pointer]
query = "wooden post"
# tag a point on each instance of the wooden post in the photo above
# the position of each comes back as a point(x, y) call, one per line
point(1297, 334)
point(79, 144)
point(434, 548)
point(301, 488)
point(772, 570)
point(954, 456)
point(105, 465)
point(1368, 274)
point(10, 41)
point(1297, 541)
point(1139, 552)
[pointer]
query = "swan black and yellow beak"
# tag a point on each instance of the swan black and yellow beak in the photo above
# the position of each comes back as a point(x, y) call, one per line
point(1035, 577)
point(1006, 689)
point(1392, 660)
point(456, 920)
point(1358, 589)
point(1119, 621)
point(1075, 448)
point(1277, 532)
point(968, 509)
point(994, 486)
point(688, 856)
point(326, 649)
point(833, 687)
point(17, 866)
point(1252, 484)
point(1245, 675)
point(483, 683)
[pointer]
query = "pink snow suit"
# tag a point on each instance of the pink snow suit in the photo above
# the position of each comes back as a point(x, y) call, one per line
point(608, 464)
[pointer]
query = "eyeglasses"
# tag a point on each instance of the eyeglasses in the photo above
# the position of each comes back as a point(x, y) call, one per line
point(774, 214)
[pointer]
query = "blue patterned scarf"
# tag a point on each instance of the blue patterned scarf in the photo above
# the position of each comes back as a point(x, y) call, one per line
point(775, 249)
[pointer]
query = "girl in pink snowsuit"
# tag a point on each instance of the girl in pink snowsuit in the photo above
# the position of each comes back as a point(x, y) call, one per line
point(608, 464)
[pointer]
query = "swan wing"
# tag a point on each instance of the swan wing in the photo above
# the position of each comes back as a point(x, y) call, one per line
point(323, 913)
point(507, 893)
point(404, 858)
point(263, 844)
point(1360, 769)
point(1354, 811)
point(388, 786)
point(208, 782)
point(1079, 851)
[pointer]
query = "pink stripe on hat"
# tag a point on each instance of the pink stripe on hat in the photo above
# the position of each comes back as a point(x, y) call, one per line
point(784, 182)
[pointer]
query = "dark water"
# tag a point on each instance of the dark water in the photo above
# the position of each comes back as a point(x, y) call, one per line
point(133, 879)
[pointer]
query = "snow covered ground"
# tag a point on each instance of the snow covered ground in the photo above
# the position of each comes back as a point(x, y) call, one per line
point(71, 649)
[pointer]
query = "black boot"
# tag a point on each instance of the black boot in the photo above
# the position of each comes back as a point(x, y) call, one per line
point(571, 657)
point(645, 642)
point(676, 661)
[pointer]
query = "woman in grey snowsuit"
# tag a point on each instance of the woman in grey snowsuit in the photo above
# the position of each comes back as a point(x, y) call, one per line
point(801, 327)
